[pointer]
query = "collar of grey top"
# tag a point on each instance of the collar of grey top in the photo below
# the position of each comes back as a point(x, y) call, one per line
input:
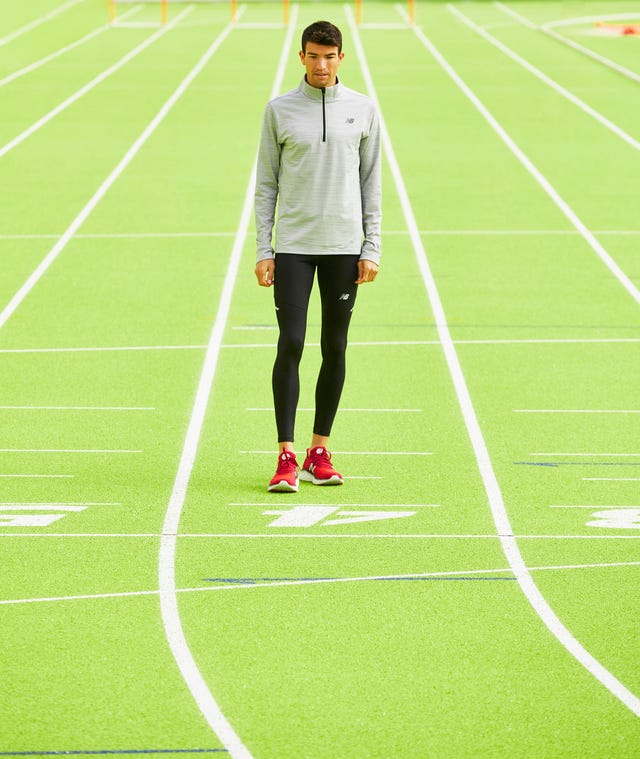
point(315, 93)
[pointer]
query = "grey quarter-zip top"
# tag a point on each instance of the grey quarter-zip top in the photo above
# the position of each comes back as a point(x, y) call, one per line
point(319, 169)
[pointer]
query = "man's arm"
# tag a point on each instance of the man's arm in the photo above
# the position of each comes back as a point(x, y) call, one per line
point(371, 193)
point(266, 193)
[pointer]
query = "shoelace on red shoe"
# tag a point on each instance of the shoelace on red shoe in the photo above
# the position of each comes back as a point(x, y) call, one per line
point(287, 462)
point(319, 455)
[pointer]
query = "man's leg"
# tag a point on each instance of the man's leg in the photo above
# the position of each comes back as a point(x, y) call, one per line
point(336, 281)
point(292, 288)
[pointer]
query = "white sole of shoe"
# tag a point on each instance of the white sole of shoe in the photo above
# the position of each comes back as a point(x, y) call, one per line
point(308, 477)
point(283, 487)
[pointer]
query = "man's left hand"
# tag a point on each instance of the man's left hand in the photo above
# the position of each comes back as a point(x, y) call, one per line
point(367, 271)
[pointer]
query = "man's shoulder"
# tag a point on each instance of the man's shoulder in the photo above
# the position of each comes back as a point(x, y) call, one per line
point(285, 98)
point(358, 97)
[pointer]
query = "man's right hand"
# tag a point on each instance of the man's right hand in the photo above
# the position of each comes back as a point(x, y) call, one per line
point(264, 272)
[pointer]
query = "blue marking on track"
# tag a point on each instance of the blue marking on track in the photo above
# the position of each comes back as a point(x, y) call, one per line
point(260, 580)
point(122, 752)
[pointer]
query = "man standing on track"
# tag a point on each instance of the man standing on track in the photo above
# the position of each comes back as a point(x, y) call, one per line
point(319, 162)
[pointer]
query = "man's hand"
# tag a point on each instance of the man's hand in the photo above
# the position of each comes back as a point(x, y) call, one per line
point(367, 271)
point(264, 272)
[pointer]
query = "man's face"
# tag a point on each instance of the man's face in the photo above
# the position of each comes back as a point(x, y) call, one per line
point(321, 63)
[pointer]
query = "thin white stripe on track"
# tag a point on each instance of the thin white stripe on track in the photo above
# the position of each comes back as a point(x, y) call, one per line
point(37, 22)
point(574, 411)
point(52, 56)
point(599, 117)
point(492, 487)
point(108, 182)
point(66, 450)
point(93, 83)
point(318, 581)
point(611, 479)
point(387, 232)
point(309, 536)
point(593, 243)
point(384, 343)
point(570, 43)
point(37, 476)
point(77, 408)
point(357, 410)
point(166, 565)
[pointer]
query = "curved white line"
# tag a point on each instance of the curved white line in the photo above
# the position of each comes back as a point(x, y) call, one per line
point(570, 43)
point(607, 123)
point(498, 510)
point(166, 569)
point(589, 19)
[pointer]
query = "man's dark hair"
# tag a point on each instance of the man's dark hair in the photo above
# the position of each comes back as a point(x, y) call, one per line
point(322, 33)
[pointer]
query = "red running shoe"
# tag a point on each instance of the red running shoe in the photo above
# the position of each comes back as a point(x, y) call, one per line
point(286, 477)
point(317, 468)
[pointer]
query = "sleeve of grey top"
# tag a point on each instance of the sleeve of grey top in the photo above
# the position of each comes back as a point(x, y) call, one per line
point(266, 193)
point(371, 190)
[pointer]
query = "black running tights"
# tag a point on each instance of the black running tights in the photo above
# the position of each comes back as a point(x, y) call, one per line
point(293, 281)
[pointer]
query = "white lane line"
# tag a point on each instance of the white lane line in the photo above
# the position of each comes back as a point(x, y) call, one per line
point(357, 410)
point(377, 343)
point(403, 343)
point(26, 506)
point(106, 349)
point(574, 411)
point(166, 564)
point(307, 536)
point(606, 455)
point(122, 235)
point(38, 476)
point(503, 526)
point(551, 341)
point(357, 453)
point(40, 504)
point(67, 450)
point(593, 506)
point(260, 25)
point(384, 27)
point(283, 583)
point(599, 117)
point(110, 180)
point(47, 59)
point(345, 505)
point(37, 22)
point(529, 166)
point(611, 479)
point(77, 408)
point(570, 43)
point(389, 232)
point(93, 83)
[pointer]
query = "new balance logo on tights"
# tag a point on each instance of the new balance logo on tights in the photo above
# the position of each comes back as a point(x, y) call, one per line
point(344, 296)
